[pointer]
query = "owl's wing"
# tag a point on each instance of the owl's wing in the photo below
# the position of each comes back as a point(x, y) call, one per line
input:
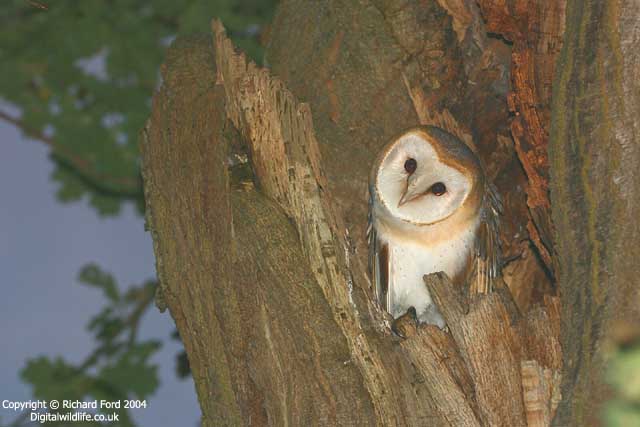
point(487, 244)
point(378, 261)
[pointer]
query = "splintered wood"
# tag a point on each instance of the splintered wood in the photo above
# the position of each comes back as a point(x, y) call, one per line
point(434, 352)
point(497, 368)
point(541, 392)
point(286, 162)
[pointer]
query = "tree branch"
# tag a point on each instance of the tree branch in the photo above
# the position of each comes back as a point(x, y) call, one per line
point(103, 182)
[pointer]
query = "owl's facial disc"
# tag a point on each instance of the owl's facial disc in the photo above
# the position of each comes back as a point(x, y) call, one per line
point(419, 184)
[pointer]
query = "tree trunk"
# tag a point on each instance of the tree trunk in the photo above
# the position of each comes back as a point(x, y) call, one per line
point(595, 158)
point(257, 207)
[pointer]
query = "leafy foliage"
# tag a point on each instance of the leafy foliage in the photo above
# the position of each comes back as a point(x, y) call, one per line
point(119, 368)
point(83, 73)
point(623, 374)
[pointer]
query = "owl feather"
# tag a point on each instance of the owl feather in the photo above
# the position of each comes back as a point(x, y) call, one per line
point(429, 197)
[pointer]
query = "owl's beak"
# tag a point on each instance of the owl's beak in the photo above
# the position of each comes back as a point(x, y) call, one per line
point(411, 192)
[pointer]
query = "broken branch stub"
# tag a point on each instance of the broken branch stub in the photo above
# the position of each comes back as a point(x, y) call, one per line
point(286, 162)
point(514, 362)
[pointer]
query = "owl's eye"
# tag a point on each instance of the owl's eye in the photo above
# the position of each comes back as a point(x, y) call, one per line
point(410, 165)
point(438, 189)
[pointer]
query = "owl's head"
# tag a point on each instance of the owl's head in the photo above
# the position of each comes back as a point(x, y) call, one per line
point(426, 175)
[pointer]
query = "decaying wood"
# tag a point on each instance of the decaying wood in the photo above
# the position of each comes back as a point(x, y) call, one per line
point(258, 270)
point(434, 353)
point(541, 391)
point(492, 352)
point(536, 29)
point(495, 342)
point(529, 269)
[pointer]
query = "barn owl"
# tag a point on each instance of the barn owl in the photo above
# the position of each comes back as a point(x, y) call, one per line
point(431, 209)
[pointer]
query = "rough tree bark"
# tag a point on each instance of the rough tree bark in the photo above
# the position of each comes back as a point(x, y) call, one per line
point(595, 158)
point(257, 207)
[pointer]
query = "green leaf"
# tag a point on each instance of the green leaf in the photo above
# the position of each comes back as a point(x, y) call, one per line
point(93, 275)
point(91, 59)
point(55, 379)
point(619, 413)
point(624, 373)
point(132, 373)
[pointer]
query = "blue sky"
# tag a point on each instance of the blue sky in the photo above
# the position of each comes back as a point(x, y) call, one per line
point(43, 308)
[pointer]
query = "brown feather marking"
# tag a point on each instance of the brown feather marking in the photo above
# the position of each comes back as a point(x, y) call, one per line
point(383, 263)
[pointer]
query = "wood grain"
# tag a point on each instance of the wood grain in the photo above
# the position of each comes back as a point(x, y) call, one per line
point(536, 29)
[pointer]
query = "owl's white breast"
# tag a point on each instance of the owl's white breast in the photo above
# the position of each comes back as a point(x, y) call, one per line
point(411, 259)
